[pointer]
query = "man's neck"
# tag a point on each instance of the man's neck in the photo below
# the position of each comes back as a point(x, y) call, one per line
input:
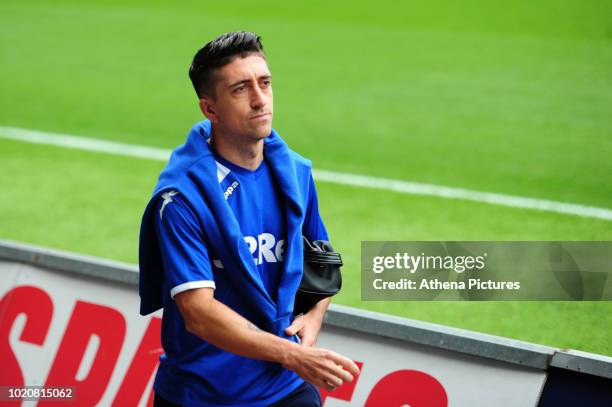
point(242, 151)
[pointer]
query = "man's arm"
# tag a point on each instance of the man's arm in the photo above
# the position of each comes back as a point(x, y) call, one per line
point(308, 326)
point(219, 325)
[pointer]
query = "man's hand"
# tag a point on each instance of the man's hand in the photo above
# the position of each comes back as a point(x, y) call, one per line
point(321, 367)
point(308, 326)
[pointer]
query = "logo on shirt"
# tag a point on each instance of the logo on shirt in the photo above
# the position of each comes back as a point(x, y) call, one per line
point(230, 190)
point(264, 248)
point(167, 197)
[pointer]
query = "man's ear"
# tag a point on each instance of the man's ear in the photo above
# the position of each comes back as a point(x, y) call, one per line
point(208, 109)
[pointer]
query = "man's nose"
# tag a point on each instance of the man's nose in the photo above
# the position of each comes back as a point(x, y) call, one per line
point(258, 98)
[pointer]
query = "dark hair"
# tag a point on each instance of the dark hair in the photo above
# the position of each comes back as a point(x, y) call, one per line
point(217, 53)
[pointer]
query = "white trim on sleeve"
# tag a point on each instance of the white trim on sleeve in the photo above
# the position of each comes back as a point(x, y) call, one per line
point(190, 285)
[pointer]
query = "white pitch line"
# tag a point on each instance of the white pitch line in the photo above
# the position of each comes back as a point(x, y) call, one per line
point(363, 181)
point(416, 188)
point(84, 143)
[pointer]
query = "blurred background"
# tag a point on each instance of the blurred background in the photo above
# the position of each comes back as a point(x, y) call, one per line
point(513, 99)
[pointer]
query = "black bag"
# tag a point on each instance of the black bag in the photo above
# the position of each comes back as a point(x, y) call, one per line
point(322, 276)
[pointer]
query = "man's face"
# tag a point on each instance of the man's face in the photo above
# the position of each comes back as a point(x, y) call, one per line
point(243, 106)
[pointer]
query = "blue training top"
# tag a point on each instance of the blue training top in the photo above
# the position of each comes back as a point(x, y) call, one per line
point(180, 250)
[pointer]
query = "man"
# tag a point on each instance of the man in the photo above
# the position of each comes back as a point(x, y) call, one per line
point(221, 249)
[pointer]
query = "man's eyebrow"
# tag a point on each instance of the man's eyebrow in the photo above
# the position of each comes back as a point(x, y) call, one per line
point(243, 81)
point(240, 82)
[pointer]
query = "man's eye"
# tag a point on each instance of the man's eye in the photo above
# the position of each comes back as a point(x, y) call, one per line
point(240, 89)
point(267, 82)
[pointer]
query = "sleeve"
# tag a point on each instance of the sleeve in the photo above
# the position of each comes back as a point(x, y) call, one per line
point(183, 251)
point(314, 228)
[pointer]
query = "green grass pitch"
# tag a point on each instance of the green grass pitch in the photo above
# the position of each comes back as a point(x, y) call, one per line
point(514, 99)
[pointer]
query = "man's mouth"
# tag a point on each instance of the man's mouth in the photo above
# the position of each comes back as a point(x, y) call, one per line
point(260, 115)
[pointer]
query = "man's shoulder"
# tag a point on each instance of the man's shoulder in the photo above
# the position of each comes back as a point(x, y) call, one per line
point(172, 205)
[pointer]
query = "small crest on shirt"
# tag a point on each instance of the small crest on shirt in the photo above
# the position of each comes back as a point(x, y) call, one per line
point(167, 197)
